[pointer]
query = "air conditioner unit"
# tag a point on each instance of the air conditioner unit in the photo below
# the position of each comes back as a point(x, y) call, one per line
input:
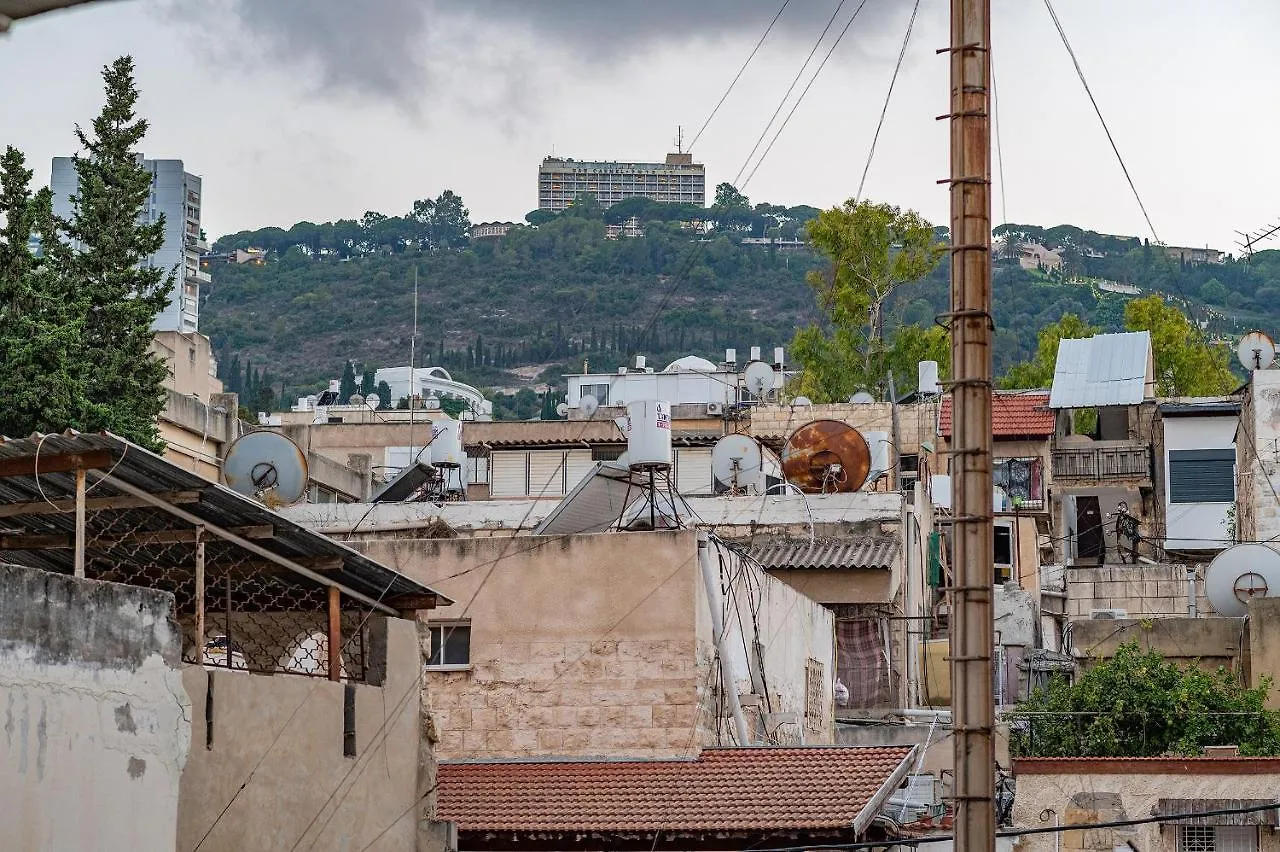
point(1108, 614)
point(715, 409)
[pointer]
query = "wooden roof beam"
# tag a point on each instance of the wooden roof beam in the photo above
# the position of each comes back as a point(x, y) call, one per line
point(56, 463)
point(92, 504)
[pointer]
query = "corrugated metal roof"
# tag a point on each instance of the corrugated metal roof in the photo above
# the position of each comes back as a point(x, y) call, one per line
point(17, 9)
point(827, 553)
point(1107, 369)
point(216, 504)
point(1209, 408)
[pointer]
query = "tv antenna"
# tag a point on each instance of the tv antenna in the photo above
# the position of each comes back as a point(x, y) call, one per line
point(1248, 240)
point(1256, 351)
point(267, 466)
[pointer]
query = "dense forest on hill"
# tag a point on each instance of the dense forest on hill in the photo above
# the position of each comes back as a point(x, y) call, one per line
point(548, 298)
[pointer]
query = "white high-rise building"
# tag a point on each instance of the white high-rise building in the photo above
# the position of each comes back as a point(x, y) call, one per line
point(175, 194)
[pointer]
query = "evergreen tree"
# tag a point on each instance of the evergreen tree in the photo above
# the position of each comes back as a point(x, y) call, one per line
point(368, 383)
point(348, 386)
point(235, 378)
point(384, 395)
point(120, 294)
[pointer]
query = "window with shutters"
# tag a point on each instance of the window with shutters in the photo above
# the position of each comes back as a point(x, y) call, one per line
point(1202, 476)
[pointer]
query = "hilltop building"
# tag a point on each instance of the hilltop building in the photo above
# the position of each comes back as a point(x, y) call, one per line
point(677, 180)
point(175, 195)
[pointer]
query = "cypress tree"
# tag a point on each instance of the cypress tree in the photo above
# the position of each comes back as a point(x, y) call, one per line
point(348, 385)
point(107, 273)
point(368, 383)
point(384, 395)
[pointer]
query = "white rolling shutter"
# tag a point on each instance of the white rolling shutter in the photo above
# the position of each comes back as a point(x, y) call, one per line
point(508, 474)
point(577, 465)
point(546, 473)
point(693, 470)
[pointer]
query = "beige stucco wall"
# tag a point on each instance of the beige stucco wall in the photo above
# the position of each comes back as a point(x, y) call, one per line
point(195, 434)
point(96, 726)
point(1264, 646)
point(188, 357)
point(1142, 591)
point(595, 644)
point(854, 585)
point(1076, 797)
point(1208, 642)
point(338, 441)
point(284, 735)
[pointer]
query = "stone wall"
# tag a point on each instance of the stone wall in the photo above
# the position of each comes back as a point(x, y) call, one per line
point(283, 738)
point(96, 724)
point(1208, 642)
point(1146, 591)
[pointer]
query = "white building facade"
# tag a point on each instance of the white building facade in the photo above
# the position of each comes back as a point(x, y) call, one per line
point(1199, 473)
point(176, 196)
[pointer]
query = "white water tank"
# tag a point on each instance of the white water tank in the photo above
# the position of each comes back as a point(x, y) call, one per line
point(878, 444)
point(649, 434)
point(928, 377)
point(446, 442)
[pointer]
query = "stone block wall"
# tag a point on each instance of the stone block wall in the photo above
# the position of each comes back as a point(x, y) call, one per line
point(1143, 591)
point(603, 698)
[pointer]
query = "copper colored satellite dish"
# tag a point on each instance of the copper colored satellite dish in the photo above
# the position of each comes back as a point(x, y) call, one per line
point(826, 456)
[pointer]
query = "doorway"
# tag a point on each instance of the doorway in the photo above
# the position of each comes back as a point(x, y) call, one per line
point(1089, 542)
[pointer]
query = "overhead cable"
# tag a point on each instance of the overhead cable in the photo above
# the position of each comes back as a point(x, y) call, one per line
point(888, 96)
point(738, 76)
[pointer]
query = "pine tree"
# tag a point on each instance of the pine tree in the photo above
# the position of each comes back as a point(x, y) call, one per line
point(368, 383)
point(40, 383)
point(348, 387)
point(108, 273)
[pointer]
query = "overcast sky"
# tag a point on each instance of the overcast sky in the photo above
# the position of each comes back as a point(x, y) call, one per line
point(323, 109)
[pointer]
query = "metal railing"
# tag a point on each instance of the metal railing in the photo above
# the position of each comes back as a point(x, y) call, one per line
point(1121, 461)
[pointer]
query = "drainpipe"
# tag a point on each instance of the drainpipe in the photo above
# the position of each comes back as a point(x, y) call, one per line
point(1192, 603)
point(728, 676)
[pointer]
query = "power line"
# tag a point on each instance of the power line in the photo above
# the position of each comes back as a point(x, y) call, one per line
point(889, 95)
point(800, 99)
point(1080, 73)
point(995, 121)
point(790, 89)
point(737, 76)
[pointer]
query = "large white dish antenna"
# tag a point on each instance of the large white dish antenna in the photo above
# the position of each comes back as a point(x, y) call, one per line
point(861, 398)
point(266, 465)
point(738, 464)
point(1256, 351)
point(373, 402)
point(1239, 574)
point(758, 378)
point(589, 405)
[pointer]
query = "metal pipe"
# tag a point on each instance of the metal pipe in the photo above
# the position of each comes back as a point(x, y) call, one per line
point(728, 673)
point(199, 594)
point(971, 331)
point(80, 531)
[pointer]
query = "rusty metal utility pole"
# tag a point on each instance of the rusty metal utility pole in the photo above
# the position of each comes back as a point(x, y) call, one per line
point(972, 628)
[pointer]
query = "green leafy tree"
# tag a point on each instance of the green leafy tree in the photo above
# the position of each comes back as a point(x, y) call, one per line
point(1214, 292)
point(873, 249)
point(118, 292)
point(912, 344)
point(347, 387)
point(1139, 704)
point(1186, 363)
point(1038, 372)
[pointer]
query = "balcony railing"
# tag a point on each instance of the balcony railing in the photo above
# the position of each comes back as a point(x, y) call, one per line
point(1104, 461)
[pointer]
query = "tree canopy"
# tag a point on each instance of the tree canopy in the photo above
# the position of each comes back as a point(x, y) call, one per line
point(1139, 704)
point(1186, 363)
point(1038, 371)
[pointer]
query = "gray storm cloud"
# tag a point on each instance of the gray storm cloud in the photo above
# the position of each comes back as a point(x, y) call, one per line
point(404, 50)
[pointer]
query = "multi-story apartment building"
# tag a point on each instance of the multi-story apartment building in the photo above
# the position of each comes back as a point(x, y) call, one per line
point(176, 196)
point(677, 180)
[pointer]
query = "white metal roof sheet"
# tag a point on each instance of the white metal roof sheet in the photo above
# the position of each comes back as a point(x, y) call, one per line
point(1107, 369)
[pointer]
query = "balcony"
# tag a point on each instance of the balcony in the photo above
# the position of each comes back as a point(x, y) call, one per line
point(197, 242)
point(1102, 461)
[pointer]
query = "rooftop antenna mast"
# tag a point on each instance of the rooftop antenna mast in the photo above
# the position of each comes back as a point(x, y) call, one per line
point(679, 139)
point(972, 629)
point(413, 378)
point(1248, 240)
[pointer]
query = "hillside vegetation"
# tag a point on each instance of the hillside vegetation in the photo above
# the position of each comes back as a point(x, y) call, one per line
point(548, 298)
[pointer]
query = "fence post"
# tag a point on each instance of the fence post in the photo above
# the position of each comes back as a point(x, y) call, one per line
point(199, 594)
point(335, 634)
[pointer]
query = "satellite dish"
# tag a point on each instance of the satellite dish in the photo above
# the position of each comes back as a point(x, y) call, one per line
point(373, 401)
point(861, 398)
point(562, 409)
point(1239, 573)
point(589, 405)
point(737, 463)
point(758, 378)
point(802, 400)
point(826, 456)
point(1256, 351)
point(357, 399)
point(266, 464)
point(432, 403)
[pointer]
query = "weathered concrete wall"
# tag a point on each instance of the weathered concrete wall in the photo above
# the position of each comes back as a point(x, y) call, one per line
point(196, 435)
point(1208, 642)
point(1264, 646)
point(854, 585)
point(96, 724)
point(1093, 791)
point(1146, 591)
point(284, 736)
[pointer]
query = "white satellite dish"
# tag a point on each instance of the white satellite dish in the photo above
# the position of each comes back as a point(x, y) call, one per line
point(1239, 573)
point(758, 378)
point(861, 398)
point(802, 401)
point(738, 464)
point(589, 405)
point(373, 401)
point(562, 409)
point(266, 465)
point(1256, 350)
point(356, 399)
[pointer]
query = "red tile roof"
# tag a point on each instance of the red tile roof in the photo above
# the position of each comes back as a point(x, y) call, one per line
point(1145, 765)
point(1013, 415)
point(733, 789)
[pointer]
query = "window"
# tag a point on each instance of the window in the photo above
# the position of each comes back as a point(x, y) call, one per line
point(1020, 479)
point(607, 452)
point(1202, 476)
point(450, 645)
point(600, 392)
point(1217, 838)
point(1003, 553)
point(908, 471)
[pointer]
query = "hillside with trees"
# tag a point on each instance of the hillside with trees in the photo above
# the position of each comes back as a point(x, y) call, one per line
point(556, 292)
